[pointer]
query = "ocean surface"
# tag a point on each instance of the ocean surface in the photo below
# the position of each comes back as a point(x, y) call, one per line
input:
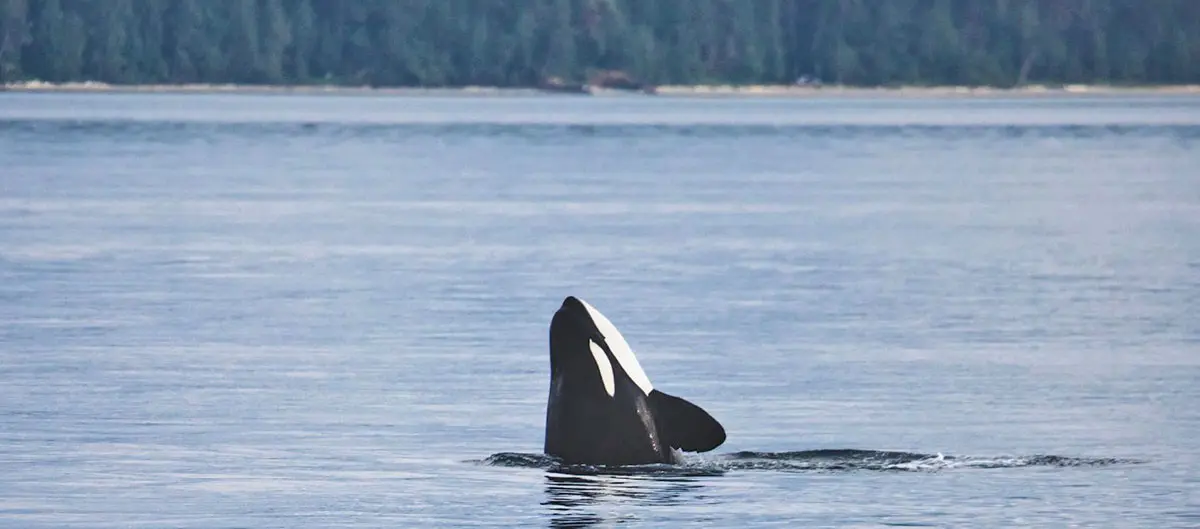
point(265, 311)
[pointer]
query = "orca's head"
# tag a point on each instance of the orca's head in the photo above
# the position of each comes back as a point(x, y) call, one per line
point(582, 337)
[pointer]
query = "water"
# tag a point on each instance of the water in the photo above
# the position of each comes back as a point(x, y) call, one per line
point(324, 311)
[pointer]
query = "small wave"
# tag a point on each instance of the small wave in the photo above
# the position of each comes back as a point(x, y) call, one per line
point(516, 459)
point(835, 460)
point(879, 460)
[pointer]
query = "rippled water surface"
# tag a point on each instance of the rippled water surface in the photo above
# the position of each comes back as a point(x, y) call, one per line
point(327, 311)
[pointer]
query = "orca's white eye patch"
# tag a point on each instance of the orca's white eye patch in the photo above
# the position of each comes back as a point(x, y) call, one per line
point(605, 367)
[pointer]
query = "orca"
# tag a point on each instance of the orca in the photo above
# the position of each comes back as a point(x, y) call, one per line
point(603, 410)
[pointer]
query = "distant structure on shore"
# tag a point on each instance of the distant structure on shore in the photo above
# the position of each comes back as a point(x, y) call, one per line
point(598, 80)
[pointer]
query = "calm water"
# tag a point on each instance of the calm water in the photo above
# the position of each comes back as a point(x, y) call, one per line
point(324, 311)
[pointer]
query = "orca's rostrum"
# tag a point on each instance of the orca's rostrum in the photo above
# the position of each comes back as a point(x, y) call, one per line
point(602, 408)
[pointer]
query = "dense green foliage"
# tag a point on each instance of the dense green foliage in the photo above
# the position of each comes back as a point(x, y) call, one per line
point(521, 42)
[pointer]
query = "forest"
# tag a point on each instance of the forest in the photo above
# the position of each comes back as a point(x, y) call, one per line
point(522, 43)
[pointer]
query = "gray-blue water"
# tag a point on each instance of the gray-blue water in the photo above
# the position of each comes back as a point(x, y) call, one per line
point(327, 311)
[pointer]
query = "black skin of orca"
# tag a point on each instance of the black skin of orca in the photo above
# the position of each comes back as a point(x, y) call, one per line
point(584, 425)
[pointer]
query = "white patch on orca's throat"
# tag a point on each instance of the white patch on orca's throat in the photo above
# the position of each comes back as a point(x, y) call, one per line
point(606, 370)
point(620, 349)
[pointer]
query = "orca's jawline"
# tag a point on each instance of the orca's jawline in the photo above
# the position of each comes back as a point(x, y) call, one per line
point(602, 408)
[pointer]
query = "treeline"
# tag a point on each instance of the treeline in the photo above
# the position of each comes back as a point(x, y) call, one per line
point(523, 42)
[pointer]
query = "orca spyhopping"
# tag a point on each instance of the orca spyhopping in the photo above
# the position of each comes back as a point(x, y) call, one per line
point(602, 408)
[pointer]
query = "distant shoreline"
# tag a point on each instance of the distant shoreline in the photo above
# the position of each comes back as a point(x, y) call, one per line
point(776, 91)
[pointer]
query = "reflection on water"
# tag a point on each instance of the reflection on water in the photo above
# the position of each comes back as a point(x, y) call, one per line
point(573, 499)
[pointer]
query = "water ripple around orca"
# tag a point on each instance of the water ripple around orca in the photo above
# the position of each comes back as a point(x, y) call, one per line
point(828, 460)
